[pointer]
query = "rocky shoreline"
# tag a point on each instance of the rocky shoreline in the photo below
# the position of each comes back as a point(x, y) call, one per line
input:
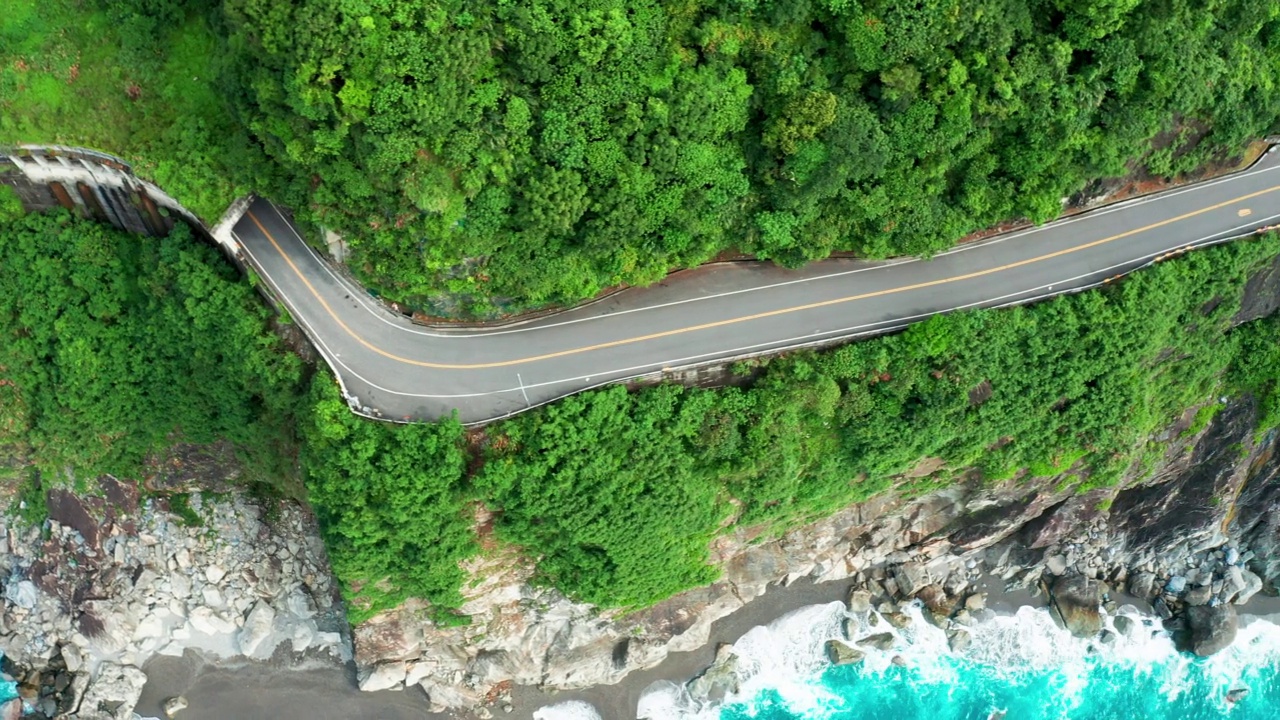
point(1195, 530)
point(114, 580)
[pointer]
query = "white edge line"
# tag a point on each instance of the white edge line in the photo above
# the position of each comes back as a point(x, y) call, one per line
point(829, 336)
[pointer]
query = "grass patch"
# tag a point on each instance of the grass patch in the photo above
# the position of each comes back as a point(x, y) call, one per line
point(66, 79)
point(180, 507)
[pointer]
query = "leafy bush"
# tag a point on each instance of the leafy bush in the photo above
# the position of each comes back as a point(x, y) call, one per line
point(390, 502)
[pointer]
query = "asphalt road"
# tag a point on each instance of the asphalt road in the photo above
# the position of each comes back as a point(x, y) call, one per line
point(394, 369)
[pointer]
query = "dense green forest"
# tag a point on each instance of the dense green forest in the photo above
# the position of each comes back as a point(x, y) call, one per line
point(116, 346)
point(519, 153)
point(543, 150)
point(512, 154)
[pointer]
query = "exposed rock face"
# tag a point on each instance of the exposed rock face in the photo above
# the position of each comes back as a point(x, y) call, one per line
point(1163, 526)
point(719, 679)
point(383, 677)
point(119, 579)
point(1199, 534)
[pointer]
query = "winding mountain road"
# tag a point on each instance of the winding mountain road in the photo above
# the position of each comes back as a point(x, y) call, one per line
point(396, 370)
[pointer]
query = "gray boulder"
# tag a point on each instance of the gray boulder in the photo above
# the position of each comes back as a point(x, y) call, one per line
point(722, 677)
point(879, 641)
point(1123, 624)
point(842, 653)
point(911, 578)
point(1252, 585)
point(386, 676)
point(1074, 602)
point(859, 601)
point(1142, 585)
point(174, 705)
point(113, 693)
point(257, 628)
point(1199, 595)
point(1212, 628)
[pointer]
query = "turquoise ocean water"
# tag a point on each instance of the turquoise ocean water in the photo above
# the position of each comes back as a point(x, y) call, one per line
point(1018, 667)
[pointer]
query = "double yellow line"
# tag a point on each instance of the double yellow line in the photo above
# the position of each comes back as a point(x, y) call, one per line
point(744, 318)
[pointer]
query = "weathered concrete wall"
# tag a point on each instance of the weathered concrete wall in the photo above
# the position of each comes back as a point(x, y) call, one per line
point(95, 185)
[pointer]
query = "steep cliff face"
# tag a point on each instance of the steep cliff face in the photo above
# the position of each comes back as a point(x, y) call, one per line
point(1198, 529)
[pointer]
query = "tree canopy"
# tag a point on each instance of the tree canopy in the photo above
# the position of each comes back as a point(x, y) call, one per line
point(113, 346)
point(540, 151)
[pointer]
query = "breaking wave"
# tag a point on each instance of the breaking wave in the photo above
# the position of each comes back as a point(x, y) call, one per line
point(1020, 666)
point(572, 710)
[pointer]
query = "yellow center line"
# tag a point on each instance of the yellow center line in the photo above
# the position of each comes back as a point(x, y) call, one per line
point(744, 318)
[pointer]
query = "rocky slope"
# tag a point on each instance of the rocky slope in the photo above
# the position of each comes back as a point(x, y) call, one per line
point(111, 580)
point(1194, 536)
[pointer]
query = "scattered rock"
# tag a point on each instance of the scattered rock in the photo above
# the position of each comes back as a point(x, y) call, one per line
point(1055, 564)
point(911, 578)
point(112, 693)
point(21, 593)
point(258, 626)
point(842, 653)
point(174, 705)
point(976, 602)
point(879, 641)
point(1213, 628)
point(71, 658)
point(959, 640)
point(1200, 595)
point(719, 679)
point(1123, 624)
point(898, 620)
point(1142, 585)
point(1176, 584)
point(1252, 585)
point(209, 622)
point(383, 677)
point(859, 601)
point(936, 601)
point(214, 573)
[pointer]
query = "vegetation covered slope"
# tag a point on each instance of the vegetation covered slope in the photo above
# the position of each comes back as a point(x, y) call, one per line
point(114, 346)
point(523, 153)
point(617, 493)
point(567, 145)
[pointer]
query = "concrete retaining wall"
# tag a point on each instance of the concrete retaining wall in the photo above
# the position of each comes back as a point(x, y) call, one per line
point(93, 184)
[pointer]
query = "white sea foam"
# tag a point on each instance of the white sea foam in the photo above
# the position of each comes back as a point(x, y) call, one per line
point(572, 710)
point(785, 656)
point(788, 657)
